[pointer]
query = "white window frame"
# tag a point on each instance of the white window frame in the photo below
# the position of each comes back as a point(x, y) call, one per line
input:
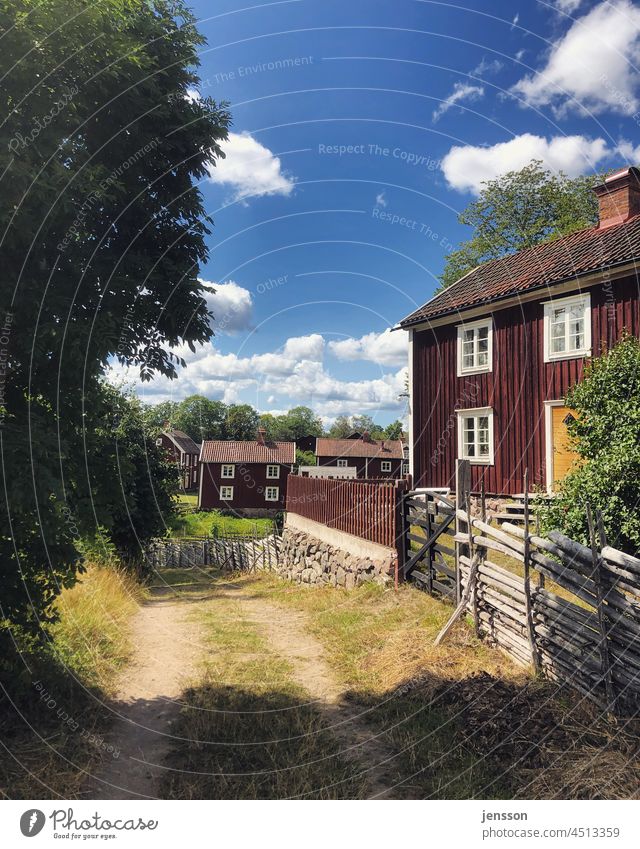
point(342, 464)
point(476, 412)
point(159, 441)
point(385, 465)
point(405, 468)
point(223, 471)
point(585, 302)
point(270, 474)
point(268, 496)
point(474, 325)
point(228, 496)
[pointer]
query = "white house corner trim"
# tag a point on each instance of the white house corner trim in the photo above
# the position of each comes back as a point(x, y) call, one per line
point(412, 469)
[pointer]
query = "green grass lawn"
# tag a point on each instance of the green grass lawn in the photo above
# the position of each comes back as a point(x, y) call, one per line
point(211, 522)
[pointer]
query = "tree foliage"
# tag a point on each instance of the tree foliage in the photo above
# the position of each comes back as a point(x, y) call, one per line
point(103, 231)
point(606, 435)
point(518, 210)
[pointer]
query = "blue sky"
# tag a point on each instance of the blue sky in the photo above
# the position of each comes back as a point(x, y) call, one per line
point(360, 130)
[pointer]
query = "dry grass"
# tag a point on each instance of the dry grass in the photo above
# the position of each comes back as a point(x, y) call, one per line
point(91, 637)
point(467, 721)
point(251, 731)
point(52, 720)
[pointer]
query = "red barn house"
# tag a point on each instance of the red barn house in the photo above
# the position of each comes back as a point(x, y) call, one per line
point(372, 458)
point(184, 453)
point(492, 356)
point(249, 478)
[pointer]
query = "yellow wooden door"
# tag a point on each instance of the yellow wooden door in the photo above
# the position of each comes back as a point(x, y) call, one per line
point(562, 453)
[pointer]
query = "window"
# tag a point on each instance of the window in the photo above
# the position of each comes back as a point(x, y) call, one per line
point(272, 493)
point(475, 435)
point(567, 328)
point(226, 493)
point(342, 464)
point(228, 471)
point(385, 465)
point(273, 471)
point(159, 441)
point(405, 468)
point(475, 347)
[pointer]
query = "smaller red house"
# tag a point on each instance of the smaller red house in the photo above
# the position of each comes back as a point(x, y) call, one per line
point(249, 478)
point(372, 458)
point(184, 452)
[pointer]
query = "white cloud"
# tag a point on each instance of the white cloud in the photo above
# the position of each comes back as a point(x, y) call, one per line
point(467, 167)
point(250, 169)
point(568, 6)
point(486, 67)
point(231, 305)
point(461, 91)
point(386, 348)
point(593, 67)
point(293, 374)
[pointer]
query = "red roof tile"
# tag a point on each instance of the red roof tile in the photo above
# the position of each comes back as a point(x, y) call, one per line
point(359, 448)
point(221, 451)
point(538, 267)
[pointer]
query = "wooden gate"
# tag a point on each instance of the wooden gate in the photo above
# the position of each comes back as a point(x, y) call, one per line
point(429, 557)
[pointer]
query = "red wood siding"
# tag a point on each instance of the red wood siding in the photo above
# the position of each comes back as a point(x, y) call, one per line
point(249, 486)
point(366, 510)
point(516, 389)
point(187, 463)
point(373, 470)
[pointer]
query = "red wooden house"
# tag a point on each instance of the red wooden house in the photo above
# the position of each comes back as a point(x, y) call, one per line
point(372, 458)
point(249, 478)
point(491, 357)
point(184, 452)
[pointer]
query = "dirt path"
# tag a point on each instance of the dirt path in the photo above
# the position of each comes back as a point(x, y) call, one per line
point(167, 649)
point(287, 634)
point(168, 646)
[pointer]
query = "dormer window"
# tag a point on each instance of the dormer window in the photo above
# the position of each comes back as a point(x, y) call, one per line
point(567, 328)
point(475, 347)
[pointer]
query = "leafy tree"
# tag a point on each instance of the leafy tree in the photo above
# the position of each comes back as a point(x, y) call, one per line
point(241, 422)
point(271, 424)
point(518, 210)
point(606, 435)
point(133, 483)
point(103, 231)
point(201, 418)
point(305, 458)
point(156, 415)
point(298, 422)
point(341, 428)
point(394, 430)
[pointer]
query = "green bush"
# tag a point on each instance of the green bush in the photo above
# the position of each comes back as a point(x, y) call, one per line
point(606, 435)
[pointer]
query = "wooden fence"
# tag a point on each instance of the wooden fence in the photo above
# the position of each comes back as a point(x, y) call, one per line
point(570, 610)
point(366, 509)
point(233, 553)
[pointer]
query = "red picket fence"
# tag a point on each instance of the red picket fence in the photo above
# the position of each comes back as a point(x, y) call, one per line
point(366, 509)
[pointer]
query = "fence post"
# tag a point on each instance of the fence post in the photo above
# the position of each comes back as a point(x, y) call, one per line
point(463, 487)
point(535, 655)
point(400, 528)
point(598, 577)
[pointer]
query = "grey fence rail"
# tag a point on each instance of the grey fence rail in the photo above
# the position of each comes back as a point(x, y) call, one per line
point(233, 553)
point(570, 610)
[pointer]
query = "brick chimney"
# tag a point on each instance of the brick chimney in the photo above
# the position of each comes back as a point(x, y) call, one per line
point(366, 436)
point(261, 436)
point(619, 197)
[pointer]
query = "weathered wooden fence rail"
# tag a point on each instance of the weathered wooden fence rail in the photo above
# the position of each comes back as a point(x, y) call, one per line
point(233, 553)
point(573, 611)
point(366, 509)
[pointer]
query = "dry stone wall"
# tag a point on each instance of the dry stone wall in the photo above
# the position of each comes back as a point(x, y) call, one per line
point(309, 560)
